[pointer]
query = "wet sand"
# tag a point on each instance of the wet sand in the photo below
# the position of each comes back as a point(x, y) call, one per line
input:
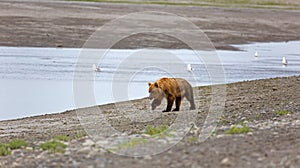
point(70, 24)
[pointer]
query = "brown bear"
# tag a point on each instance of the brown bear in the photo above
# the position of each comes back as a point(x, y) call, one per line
point(173, 89)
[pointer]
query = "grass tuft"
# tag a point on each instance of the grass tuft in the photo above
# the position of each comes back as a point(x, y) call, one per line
point(17, 144)
point(63, 138)
point(151, 130)
point(4, 150)
point(132, 143)
point(192, 139)
point(129, 144)
point(53, 146)
point(239, 129)
point(282, 112)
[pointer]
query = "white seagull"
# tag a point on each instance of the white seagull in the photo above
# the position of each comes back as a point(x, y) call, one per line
point(189, 68)
point(95, 68)
point(256, 54)
point(284, 61)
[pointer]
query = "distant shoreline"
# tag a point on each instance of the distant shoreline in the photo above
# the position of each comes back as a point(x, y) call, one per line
point(67, 24)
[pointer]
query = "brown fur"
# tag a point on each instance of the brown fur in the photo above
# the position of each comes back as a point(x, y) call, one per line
point(173, 89)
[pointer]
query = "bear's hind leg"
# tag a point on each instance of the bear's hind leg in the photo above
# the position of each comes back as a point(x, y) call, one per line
point(190, 98)
point(178, 103)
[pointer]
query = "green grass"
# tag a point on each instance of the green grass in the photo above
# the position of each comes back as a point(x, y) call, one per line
point(54, 146)
point(282, 112)
point(129, 144)
point(61, 138)
point(4, 150)
point(192, 139)
point(152, 130)
point(241, 129)
point(132, 143)
point(17, 144)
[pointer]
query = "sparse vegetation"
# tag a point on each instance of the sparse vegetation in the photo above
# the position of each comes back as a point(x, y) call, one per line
point(153, 131)
point(53, 146)
point(80, 134)
point(158, 131)
point(133, 142)
point(192, 139)
point(238, 129)
point(61, 138)
point(4, 150)
point(17, 144)
point(282, 112)
point(129, 144)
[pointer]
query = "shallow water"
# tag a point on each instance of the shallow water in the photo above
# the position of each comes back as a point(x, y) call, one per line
point(40, 80)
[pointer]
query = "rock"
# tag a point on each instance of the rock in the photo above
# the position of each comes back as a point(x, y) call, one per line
point(221, 136)
point(146, 136)
point(29, 148)
point(85, 150)
point(59, 45)
point(88, 142)
point(147, 157)
point(239, 126)
point(225, 162)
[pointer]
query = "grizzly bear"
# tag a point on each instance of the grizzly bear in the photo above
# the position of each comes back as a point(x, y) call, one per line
point(173, 89)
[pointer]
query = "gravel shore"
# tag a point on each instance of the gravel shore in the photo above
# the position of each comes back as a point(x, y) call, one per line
point(274, 139)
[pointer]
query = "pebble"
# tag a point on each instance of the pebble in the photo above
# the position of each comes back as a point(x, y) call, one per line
point(221, 136)
point(103, 142)
point(147, 157)
point(29, 148)
point(225, 162)
point(250, 133)
point(88, 142)
point(260, 159)
point(239, 126)
point(246, 158)
point(86, 150)
point(146, 136)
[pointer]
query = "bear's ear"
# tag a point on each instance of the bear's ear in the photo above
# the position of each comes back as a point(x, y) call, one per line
point(149, 83)
point(155, 84)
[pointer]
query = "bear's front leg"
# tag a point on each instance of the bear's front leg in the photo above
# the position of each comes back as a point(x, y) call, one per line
point(170, 103)
point(178, 103)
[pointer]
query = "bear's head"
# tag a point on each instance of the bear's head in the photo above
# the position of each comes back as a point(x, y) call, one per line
point(156, 93)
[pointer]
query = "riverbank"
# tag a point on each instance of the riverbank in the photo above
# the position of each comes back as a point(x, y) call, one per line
point(273, 140)
point(70, 24)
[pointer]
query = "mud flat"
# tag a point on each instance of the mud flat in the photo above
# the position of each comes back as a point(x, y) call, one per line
point(70, 24)
point(274, 139)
